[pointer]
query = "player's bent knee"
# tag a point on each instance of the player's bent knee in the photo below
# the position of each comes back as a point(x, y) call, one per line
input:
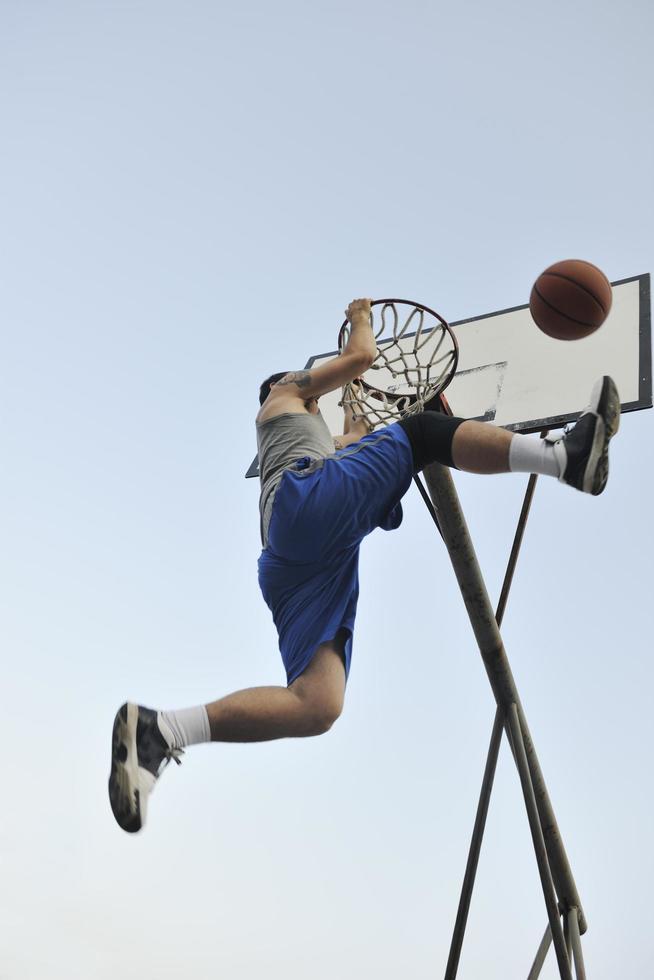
point(321, 715)
point(321, 722)
point(321, 694)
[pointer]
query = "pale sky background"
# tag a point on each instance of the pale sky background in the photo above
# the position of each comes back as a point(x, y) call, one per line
point(191, 194)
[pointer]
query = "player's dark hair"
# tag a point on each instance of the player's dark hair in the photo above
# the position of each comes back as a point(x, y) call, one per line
point(266, 385)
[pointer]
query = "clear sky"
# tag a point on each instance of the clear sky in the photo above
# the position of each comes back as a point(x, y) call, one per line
point(191, 194)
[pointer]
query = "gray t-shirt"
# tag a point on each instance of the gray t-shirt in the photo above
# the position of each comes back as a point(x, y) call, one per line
point(280, 442)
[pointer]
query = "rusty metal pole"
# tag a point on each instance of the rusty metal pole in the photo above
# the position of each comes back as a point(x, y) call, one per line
point(563, 955)
point(482, 618)
point(493, 749)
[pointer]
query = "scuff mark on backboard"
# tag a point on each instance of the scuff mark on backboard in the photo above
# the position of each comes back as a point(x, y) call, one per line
point(475, 392)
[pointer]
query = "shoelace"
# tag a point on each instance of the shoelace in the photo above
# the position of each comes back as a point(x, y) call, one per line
point(557, 435)
point(169, 754)
point(174, 754)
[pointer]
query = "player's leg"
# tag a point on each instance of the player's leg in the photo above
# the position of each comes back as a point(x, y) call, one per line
point(579, 457)
point(478, 447)
point(144, 740)
point(481, 448)
point(309, 706)
point(475, 447)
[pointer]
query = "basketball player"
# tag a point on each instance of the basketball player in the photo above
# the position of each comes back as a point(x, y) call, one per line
point(320, 497)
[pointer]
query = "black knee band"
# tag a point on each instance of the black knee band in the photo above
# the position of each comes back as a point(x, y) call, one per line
point(431, 435)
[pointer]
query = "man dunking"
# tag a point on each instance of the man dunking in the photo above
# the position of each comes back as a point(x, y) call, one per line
point(320, 496)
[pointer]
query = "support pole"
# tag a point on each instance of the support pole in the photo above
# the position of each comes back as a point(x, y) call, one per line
point(549, 892)
point(493, 749)
point(575, 942)
point(475, 848)
point(515, 550)
point(462, 555)
point(539, 959)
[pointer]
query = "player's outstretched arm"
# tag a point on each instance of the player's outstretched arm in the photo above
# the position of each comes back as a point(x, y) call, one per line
point(362, 340)
point(355, 360)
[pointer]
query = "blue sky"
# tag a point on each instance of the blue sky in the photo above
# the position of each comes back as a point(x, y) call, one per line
point(191, 194)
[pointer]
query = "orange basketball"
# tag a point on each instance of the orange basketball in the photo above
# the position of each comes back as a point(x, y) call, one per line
point(570, 300)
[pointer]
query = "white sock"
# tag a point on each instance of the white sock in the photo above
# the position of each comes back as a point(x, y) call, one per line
point(190, 726)
point(530, 454)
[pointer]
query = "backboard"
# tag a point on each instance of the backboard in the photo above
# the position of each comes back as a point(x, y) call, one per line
point(511, 374)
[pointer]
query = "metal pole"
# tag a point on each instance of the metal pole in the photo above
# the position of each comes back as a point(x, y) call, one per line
point(539, 959)
point(428, 503)
point(575, 940)
point(462, 555)
point(493, 749)
point(515, 550)
point(566, 936)
point(539, 843)
point(475, 848)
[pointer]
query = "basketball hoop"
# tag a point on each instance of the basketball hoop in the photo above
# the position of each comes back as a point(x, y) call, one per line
point(417, 355)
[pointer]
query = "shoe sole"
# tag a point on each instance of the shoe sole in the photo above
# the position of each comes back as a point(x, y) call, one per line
point(124, 792)
point(605, 403)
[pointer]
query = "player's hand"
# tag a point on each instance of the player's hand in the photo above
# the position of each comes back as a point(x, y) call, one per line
point(352, 400)
point(358, 308)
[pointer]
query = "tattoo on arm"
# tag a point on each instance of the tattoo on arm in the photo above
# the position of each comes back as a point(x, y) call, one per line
point(300, 378)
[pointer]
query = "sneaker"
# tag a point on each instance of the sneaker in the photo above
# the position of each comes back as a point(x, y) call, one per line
point(139, 753)
point(583, 452)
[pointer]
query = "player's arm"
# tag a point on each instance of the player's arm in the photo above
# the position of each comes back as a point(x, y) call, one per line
point(358, 355)
point(355, 426)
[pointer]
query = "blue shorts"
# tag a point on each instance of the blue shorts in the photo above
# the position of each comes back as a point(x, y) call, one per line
point(309, 571)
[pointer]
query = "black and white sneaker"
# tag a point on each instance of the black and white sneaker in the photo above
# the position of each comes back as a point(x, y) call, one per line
point(139, 753)
point(583, 452)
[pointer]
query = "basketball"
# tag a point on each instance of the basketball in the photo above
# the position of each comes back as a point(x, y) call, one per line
point(570, 300)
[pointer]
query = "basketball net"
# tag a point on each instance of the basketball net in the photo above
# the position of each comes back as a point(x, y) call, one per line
point(417, 355)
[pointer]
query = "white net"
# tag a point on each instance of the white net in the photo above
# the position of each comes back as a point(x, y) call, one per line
point(417, 355)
